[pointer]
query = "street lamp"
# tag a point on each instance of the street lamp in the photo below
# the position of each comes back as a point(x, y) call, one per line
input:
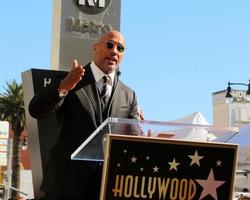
point(24, 143)
point(229, 97)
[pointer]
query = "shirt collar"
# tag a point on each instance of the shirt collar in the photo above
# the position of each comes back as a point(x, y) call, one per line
point(98, 74)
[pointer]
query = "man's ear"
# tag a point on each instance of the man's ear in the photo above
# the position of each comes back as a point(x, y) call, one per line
point(95, 47)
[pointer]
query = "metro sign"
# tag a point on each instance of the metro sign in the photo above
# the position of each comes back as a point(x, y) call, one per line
point(93, 7)
point(101, 3)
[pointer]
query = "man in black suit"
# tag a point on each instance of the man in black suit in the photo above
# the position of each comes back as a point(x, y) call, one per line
point(77, 101)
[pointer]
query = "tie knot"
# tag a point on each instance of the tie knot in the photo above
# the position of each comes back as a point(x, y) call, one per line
point(107, 80)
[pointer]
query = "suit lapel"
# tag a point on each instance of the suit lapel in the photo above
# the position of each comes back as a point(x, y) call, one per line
point(88, 95)
point(114, 103)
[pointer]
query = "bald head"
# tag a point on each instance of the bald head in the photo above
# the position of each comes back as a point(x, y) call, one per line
point(109, 51)
point(111, 34)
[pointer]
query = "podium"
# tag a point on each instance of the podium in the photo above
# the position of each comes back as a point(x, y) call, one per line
point(162, 160)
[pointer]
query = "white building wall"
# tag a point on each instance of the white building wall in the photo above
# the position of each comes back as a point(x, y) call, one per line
point(236, 113)
point(26, 184)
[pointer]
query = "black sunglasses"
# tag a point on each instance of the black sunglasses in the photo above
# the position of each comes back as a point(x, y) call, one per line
point(111, 44)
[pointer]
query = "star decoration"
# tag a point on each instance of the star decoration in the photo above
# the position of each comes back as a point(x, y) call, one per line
point(173, 165)
point(218, 163)
point(195, 158)
point(155, 169)
point(209, 186)
point(133, 159)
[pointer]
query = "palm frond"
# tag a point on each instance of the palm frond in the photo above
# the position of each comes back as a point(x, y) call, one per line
point(12, 110)
point(12, 105)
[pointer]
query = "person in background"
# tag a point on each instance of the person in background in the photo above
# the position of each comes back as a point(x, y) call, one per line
point(82, 101)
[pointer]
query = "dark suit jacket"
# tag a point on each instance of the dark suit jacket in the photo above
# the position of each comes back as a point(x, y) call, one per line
point(79, 114)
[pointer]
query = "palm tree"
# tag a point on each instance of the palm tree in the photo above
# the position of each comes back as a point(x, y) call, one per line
point(12, 110)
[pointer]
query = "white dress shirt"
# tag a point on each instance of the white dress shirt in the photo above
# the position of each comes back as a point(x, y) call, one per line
point(98, 75)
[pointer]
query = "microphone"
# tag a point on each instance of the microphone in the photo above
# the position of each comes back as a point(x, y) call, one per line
point(118, 73)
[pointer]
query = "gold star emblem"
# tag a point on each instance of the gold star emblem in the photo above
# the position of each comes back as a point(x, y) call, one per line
point(173, 165)
point(133, 159)
point(155, 169)
point(195, 158)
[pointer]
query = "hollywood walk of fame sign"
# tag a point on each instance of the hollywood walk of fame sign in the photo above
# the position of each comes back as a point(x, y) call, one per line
point(151, 168)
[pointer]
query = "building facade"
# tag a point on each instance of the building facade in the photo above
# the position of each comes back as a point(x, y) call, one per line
point(235, 113)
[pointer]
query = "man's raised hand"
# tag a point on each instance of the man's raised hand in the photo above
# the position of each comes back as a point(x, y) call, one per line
point(74, 76)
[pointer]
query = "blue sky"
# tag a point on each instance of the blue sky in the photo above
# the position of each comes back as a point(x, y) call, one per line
point(178, 52)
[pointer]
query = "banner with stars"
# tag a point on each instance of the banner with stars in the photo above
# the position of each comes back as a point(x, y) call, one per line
point(151, 168)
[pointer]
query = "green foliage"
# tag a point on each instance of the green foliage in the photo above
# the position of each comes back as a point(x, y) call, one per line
point(12, 110)
point(12, 106)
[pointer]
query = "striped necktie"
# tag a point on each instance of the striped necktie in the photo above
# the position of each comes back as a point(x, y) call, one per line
point(105, 94)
